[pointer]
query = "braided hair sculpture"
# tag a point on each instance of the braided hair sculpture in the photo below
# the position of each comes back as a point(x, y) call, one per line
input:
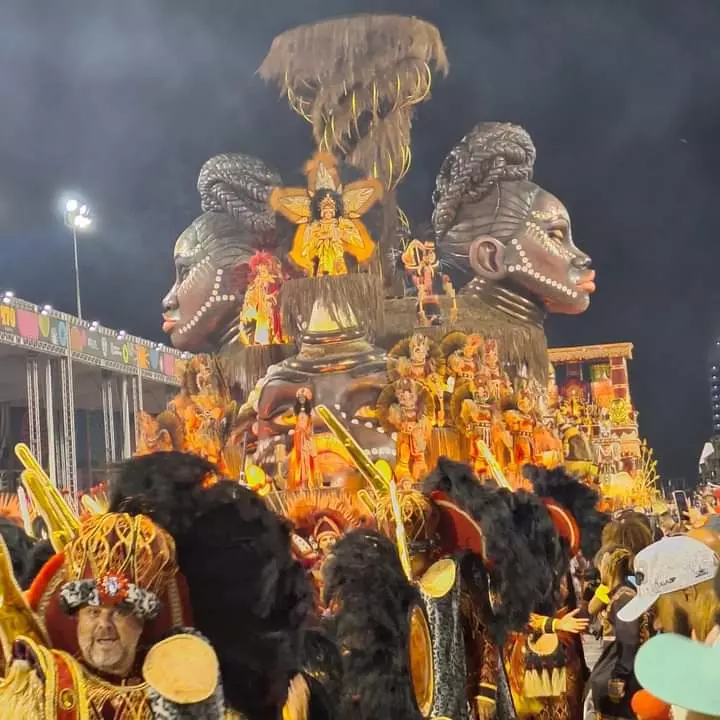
point(239, 186)
point(215, 250)
point(237, 220)
point(469, 199)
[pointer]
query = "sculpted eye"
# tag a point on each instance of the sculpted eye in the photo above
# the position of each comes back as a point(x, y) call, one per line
point(557, 234)
point(366, 412)
point(183, 272)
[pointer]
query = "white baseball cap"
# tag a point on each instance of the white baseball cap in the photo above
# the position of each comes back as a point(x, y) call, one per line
point(673, 563)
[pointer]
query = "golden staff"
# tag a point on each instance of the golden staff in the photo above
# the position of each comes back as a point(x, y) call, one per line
point(16, 617)
point(494, 466)
point(400, 536)
point(364, 465)
point(374, 475)
point(61, 521)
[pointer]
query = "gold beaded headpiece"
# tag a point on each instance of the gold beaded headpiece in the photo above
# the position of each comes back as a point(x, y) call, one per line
point(119, 559)
point(418, 341)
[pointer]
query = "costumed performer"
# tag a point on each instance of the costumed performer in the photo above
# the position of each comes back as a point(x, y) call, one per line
point(328, 218)
point(684, 672)
point(546, 663)
point(248, 595)
point(94, 647)
point(671, 576)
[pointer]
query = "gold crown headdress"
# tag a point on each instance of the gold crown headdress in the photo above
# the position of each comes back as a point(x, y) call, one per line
point(418, 341)
point(116, 559)
point(322, 174)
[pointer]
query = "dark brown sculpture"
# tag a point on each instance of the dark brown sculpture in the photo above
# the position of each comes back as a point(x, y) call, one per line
point(344, 372)
point(505, 239)
point(202, 311)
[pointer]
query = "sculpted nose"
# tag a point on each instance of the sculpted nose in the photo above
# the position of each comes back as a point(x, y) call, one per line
point(170, 301)
point(582, 261)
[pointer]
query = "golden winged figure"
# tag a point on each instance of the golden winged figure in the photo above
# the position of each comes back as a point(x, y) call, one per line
point(328, 218)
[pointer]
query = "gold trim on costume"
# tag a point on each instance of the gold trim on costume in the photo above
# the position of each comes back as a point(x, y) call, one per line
point(62, 523)
point(439, 579)
point(422, 671)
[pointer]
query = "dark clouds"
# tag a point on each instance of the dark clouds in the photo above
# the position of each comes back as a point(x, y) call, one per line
point(125, 100)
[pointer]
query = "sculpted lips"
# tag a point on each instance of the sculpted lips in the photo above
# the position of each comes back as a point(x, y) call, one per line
point(169, 323)
point(587, 282)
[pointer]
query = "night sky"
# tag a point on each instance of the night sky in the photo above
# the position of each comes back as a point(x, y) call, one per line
point(123, 101)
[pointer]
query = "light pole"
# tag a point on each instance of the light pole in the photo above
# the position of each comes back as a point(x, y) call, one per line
point(77, 218)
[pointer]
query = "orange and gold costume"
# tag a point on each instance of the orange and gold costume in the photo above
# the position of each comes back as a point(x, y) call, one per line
point(328, 218)
point(114, 558)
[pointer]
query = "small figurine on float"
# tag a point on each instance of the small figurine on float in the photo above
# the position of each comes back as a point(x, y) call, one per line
point(521, 424)
point(607, 447)
point(405, 408)
point(328, 218)
point(473, 416)
point(497, 377)
point(419, 359)
point(207, 413)
point(260, 321)
point(464, 357)
point(303, 469)
point(422, 265)
point(200, 419)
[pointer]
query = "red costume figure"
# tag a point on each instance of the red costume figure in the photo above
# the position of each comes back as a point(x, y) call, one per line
point(303, 471)
point(410, 418)
point(260, 308)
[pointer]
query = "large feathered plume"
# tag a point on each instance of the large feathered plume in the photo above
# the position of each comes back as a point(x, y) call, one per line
point(576, 497)
point(371, 597)
point(248, 596)
point(518, 544)
point(357, 80)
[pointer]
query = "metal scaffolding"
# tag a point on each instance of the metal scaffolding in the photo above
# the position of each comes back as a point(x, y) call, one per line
point(69, 479)
point(125, 406)
point(109, 418)
point(50, 368)
point(33, 398)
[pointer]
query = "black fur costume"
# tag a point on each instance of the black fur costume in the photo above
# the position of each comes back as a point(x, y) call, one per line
point(577, 498)
point(366, 587)
point(522, 550)
point(27, 555)
point(248, 596)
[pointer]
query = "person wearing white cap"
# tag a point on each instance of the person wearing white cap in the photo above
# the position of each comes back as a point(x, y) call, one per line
point(677, 566)
point(684, 672)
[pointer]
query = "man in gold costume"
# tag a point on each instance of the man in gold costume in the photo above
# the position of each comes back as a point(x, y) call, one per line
point(87, 645)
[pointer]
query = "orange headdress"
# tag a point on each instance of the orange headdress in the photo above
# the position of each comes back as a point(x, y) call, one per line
point(10, 508)
point(263, 258)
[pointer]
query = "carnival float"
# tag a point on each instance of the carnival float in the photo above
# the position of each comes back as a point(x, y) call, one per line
point(390, 393)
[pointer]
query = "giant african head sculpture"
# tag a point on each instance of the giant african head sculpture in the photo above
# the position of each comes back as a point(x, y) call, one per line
point(508, 240)
point(337, 367)
point(212, 255)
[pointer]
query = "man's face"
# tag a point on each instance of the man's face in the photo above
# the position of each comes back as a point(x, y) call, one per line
point(108, 638)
